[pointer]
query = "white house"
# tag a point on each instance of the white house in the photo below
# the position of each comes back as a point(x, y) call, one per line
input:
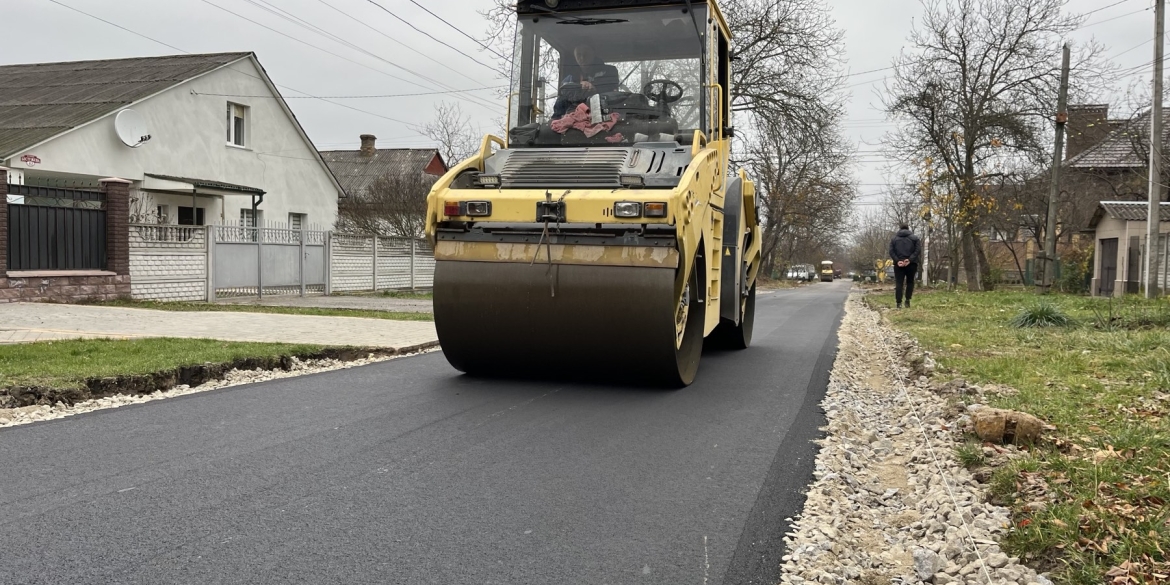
point(207, 140)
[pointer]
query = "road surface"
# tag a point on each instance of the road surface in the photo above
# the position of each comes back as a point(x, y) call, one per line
point(408, 472)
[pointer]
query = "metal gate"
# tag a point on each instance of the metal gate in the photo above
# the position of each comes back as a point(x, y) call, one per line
point(258, 261)
point(56, 229)
point(1107, 276)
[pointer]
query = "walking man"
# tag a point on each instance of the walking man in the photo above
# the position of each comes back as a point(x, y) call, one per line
point(904, 251)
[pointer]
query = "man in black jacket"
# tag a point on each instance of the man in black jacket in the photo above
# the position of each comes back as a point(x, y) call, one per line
point(904, 251)
point(590, 76)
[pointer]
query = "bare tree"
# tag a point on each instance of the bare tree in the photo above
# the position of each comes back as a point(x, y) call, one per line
point(806, 190)
point(977, 88)
point(453, 133)
point(393, 205)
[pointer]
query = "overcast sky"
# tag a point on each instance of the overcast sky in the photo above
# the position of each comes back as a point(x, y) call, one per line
point(45, 31)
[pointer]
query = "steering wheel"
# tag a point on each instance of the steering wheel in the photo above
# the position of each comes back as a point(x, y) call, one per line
point(668, 91)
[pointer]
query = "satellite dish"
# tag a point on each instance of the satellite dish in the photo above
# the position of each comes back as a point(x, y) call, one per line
point(131, 128)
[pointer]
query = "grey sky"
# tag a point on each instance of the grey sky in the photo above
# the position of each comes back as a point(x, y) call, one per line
point(42, 31)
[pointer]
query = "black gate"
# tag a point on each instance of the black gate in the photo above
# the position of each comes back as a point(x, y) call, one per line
point(56, 229)
point(1107, 276)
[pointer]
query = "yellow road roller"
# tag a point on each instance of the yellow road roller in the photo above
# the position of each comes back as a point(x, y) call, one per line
point(606, 235)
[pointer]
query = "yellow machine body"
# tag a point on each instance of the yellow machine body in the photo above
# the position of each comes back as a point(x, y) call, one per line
point(588, 291)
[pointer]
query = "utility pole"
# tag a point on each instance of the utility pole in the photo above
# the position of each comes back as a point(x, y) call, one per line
point(1153, 217)
point(1054, 188)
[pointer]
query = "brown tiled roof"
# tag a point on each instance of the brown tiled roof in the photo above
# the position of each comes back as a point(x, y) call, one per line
point(1128, 211)
point(1117, 150)
point(41, 100)
point(357, 172)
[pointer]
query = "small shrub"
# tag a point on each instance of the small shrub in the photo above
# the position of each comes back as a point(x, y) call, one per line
point(1042, 315)
point(970, 455)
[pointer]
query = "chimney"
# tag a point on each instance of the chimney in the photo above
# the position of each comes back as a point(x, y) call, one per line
point(368, 144)
point(1087, 125)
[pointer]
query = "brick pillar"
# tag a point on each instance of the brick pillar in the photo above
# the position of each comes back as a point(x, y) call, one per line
point(3, 221)
point(117, 225)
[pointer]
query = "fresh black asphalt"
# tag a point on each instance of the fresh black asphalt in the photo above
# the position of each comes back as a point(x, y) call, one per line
point(408, 472)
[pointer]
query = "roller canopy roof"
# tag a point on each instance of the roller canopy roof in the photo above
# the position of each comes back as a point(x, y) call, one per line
point(541, 7)
point(617, 36)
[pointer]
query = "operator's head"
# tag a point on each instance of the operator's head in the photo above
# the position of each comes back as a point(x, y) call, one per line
point(903, 226)
point(584, 55)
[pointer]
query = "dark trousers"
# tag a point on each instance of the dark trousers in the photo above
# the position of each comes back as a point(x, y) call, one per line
point(904, 276)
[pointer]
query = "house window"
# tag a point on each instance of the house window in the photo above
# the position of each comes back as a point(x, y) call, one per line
point(237, 124)
point(186, 217)
point(248, 219)
point(296, 221)
point(160, 214)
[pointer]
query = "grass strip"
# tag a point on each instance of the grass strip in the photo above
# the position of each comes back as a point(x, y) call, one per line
point(1091, 499)
point(233, 308)
point(69, 363)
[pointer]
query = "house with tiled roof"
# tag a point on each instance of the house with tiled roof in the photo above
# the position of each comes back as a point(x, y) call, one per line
point(357, 170)
point(1119, 229)
point(1106, 161)
point(386, 188)
point(202, 139)
point(1112, 172)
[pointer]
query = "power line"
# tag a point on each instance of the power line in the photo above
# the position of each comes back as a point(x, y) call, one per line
point(296, 20)
point(396, 41)
point(138, 34)
point(460, 31)
point(118, 26)
point(1114, 18)
point(1119, 2)
point(407, 23)
point(306, 43)
point(351, 97)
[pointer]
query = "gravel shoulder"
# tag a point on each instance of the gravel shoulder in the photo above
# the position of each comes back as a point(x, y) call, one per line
point(890, 503)
point(10, 417)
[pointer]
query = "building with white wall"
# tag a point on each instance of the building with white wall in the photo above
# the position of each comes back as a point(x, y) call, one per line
point(211, 139)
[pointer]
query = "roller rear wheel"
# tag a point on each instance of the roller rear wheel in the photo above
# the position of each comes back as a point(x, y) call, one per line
point(731, 336)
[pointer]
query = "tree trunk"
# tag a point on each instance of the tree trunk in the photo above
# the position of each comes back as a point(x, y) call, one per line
point(971, 261)
point(984, 265)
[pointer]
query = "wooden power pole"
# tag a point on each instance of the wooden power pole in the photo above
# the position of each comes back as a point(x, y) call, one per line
point(1152, 220)
point(1054, 188)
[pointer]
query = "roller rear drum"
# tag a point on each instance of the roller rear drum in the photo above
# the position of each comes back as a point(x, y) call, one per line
point(619, 323)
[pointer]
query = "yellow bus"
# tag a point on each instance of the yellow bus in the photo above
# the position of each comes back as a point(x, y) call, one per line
point(827, 271)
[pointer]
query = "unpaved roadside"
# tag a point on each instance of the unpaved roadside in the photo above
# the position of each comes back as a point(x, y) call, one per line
point(29, 414)
point(890, 503)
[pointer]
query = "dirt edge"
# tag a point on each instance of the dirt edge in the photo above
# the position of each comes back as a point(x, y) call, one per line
point(189, 375)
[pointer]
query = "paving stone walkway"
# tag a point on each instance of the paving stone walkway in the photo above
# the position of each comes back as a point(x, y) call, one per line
point(28, 322)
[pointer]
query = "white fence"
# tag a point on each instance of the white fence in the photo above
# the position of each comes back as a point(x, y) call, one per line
point(196, 263)
point(358, 264)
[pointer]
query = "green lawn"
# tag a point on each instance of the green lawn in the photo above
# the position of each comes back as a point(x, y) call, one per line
point(67, 364)
point(322, 312)
point(1104, 382)
point(406, 294)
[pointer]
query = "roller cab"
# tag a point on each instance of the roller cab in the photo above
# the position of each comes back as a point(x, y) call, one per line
point(605, 236)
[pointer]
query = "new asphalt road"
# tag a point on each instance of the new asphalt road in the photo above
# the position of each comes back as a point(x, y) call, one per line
point(408, 472)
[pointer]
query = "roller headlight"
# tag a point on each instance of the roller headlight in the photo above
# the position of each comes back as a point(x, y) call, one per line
point(627, 209)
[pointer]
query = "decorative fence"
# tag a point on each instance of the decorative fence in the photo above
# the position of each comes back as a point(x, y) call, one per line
point(258, 261)
point(169, 263)
point(187, 263)
point(394, 263)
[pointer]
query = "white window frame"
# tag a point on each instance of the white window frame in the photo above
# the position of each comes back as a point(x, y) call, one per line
point(248, 220)
point(231, 125)
point(299, 216)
